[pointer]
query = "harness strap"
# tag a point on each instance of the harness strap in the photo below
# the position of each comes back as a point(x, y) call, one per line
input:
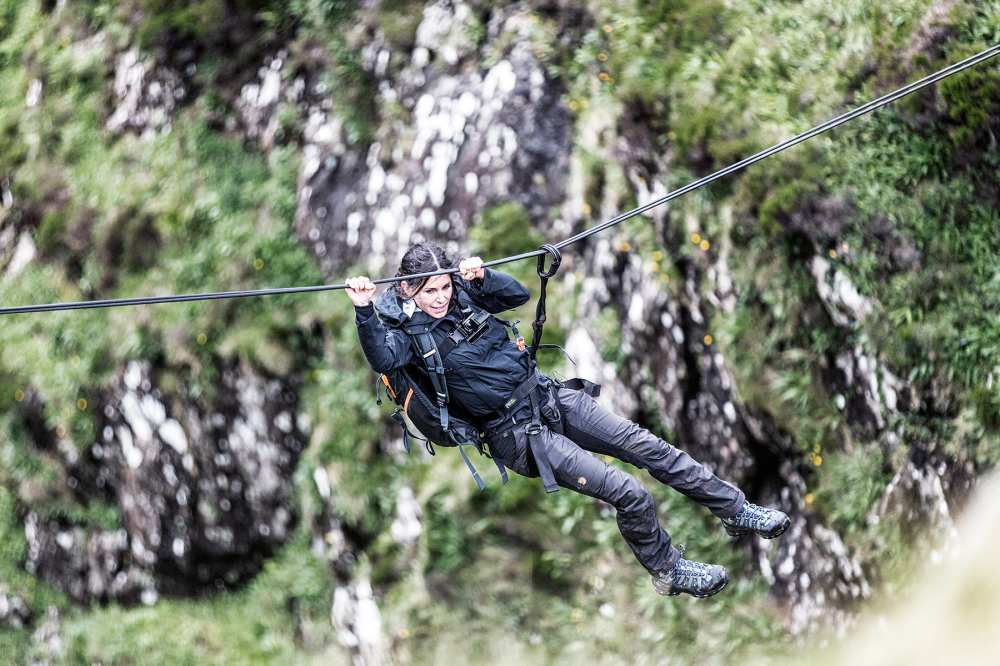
point(435, 371)
point(524, 388)
point(543, 276)
point(501, 469)
point(533, 430)
point(472, 468)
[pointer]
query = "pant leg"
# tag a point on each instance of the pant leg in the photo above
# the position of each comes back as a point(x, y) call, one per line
point(577, 470)
point(601, 431)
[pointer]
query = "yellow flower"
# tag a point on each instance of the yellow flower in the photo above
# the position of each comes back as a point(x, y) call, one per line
point(258, 263)
point(603, 76)
point(202, 338)
point(19, 395)
point(607, 29)
point(833, 254)
point(708, 340)
point(602, 56)
point(657, 256)
point(81, 404)
point(817, 459)
point(696, 238)
point(809, 499)
point(705, 245)
point(624, 246)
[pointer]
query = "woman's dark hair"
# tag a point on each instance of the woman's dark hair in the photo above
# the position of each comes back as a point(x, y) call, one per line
point(423, 258)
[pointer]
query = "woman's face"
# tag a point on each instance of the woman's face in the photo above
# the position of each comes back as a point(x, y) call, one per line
point(434, 297)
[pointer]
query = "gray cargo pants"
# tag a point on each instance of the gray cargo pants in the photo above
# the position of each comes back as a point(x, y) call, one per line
point(573, 424)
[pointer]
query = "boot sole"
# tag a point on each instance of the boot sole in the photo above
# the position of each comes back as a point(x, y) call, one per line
point(719, 588)
point(773, 534)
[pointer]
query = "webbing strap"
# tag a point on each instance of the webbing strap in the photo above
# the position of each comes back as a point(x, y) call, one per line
point(502, 470)
point(543, 276)
point(533, 432)
point(435, 370)
point(472, 468)
point(522, 390)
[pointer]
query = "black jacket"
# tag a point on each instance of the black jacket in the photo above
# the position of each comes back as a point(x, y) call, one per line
point(480, 375)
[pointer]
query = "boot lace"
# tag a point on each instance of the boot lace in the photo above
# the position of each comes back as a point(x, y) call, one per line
point(752, 516)
point(689, 572)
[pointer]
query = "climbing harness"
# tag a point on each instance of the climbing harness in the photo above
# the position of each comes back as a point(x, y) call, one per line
point(690, 187)
point(529, 388)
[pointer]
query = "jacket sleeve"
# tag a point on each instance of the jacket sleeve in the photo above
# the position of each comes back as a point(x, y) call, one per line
point(496, 292)
point(385, 349)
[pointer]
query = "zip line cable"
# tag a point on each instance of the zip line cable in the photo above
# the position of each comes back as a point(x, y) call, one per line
point(690, 187)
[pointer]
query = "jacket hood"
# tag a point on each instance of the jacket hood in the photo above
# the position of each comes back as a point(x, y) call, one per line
point(389, 307)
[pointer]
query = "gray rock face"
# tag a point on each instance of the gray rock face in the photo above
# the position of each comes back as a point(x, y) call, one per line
point(354, 610)
point(811, 569)
point(17, 247)
point(259, 100)
point(47, 639)
point(922, 496)
point(14, 613)
point(358, 622)
point(88, 566)
point(147, 94)
point(468, 137)
point(204, 493)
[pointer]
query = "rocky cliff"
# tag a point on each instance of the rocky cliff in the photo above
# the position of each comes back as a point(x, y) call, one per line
point(214, 481)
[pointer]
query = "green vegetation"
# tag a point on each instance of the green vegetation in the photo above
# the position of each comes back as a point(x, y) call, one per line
point(196, 208)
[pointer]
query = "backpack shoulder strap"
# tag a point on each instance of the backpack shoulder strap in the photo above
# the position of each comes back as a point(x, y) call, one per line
point(434, 365)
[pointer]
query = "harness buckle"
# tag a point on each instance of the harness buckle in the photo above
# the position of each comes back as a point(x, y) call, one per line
point(533, 428)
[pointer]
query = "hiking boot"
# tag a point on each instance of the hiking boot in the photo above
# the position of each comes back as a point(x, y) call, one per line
point(768, 523)
point(694, 578)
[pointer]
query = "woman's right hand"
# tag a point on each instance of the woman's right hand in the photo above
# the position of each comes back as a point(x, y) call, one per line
point(360, 290)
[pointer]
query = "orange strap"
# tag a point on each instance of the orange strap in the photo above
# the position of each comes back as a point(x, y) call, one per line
point(388, 386)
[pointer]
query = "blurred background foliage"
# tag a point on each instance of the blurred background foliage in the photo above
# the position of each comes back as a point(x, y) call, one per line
point(198, 209)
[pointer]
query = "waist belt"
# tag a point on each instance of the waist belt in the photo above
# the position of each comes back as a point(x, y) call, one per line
point(533, 429)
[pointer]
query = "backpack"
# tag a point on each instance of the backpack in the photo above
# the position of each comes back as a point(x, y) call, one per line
point(421, 393)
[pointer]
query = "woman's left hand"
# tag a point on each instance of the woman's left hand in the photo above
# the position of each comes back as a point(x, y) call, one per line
point(472, 268)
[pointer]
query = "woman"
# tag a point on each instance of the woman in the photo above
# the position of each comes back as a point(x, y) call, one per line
point(492, 380)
